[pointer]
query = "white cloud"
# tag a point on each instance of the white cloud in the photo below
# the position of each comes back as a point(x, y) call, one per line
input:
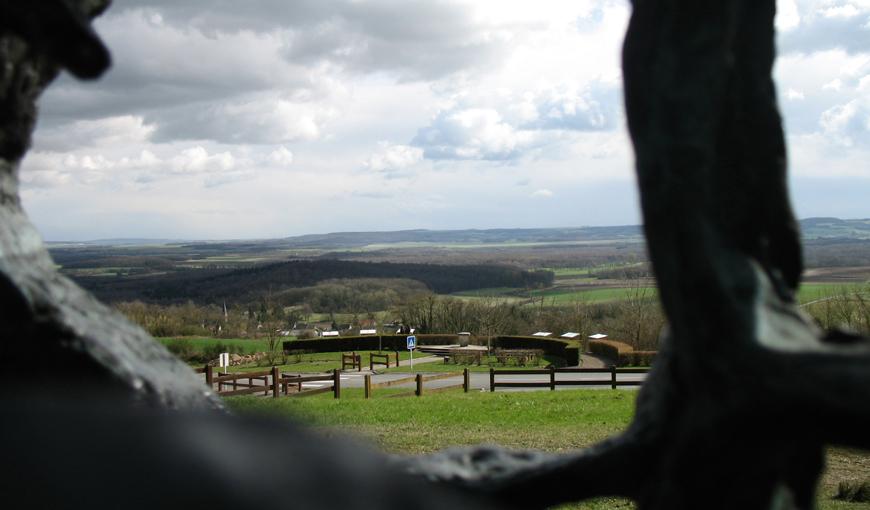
point(836, 84)
point(393, 159)
point(506, 125)
point(281, 157)
point(817, 25)
point(224, 110)
point(542, 193)
point(848, 124)
point(787, 15)
point(197, 159)
point(794, 95)
point(840, 11)
point(121, 129)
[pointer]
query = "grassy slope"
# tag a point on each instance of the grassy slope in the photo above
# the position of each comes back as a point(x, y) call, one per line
point(246, 345)
point(552, 421)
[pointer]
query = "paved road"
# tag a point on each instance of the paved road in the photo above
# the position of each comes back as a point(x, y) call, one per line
point(479, 380)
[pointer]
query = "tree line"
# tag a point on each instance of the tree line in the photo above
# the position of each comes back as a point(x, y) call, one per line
point(249, 284)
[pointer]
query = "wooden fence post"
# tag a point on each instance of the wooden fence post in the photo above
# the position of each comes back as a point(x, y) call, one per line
point(552, 378)
point(613, 377)
point(336, 383)
point(419, 391)
point(465, 380)
point(368, 385)
point(276, 382)
point(209, 377)
point(372, 363)
point(397, 360)
point(491, 379)
point(358, 362)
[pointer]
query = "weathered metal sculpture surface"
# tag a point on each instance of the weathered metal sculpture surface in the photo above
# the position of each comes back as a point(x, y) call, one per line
point(46, 319)
point(743, 397)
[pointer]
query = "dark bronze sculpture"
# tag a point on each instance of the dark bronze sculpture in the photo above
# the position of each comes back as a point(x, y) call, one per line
point(740, 404)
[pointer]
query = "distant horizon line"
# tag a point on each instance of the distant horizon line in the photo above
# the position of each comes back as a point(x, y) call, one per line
point(162, 240)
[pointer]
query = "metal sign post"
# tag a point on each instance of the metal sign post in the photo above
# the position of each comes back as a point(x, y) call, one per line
point(412, 344)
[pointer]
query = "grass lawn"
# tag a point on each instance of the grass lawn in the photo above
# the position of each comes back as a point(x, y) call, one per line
point(552, 421)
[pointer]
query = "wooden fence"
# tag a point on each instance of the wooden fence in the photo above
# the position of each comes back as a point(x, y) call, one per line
point(247, 383)
point(553, 382)
point(352, 360)
point(419, 379)
point(382, 359)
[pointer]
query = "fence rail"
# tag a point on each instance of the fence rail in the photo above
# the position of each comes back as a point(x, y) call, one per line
point(352, 360)
point(249, 382)
point(381, 356)
point(554, 382)
point(420, 381)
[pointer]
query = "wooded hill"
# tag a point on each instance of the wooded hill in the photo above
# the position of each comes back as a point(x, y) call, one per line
point(210, 286)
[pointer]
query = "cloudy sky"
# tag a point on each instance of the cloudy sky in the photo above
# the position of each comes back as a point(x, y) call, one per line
point(228, 119)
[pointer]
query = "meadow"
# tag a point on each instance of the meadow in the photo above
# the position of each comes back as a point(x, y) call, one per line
point(550, 421)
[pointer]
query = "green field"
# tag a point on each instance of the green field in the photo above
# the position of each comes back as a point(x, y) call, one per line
point(551, 421)
point(813, 291)
point(580, 272)
point(490, 292)
point(543, 419)
point(239, 345)
point(565, 296)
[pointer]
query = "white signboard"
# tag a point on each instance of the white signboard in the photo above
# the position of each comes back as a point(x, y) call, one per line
point(224, 359)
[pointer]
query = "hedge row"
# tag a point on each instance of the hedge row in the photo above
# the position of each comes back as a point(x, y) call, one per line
point(623, 353)
point(365, 343)
point(550, 346)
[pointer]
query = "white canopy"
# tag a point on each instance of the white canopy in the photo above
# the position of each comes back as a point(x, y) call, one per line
point(329, 333)
point(570, 335)
point(542, 333)
point(368, 332)
point(597, 336)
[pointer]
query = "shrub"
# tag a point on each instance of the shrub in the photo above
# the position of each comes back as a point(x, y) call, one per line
point(572, 356)
point(609, 348)
point(857, 491)
point(214, 350)
point(638, 358)
point(183, 351)
point(621, 353)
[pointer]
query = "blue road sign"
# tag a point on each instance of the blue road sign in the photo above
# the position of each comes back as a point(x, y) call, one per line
point(412, 342)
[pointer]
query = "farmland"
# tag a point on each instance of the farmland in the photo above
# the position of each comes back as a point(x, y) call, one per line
point(514, 280)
